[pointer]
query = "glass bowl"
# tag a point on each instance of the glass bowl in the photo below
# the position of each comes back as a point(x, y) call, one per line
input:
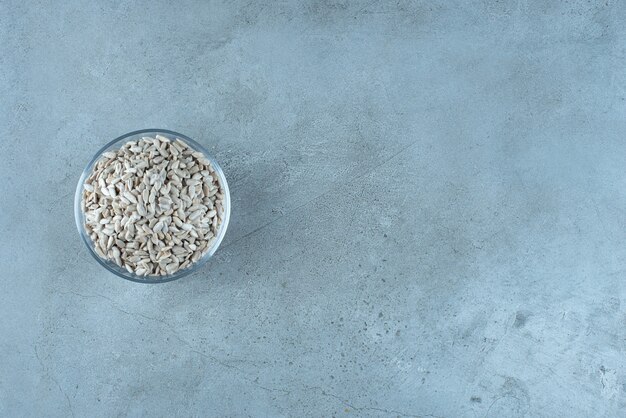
point(80, 216)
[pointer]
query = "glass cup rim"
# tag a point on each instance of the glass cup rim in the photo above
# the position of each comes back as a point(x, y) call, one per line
point(114, 268)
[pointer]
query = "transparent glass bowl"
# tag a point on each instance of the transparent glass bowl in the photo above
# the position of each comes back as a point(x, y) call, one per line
point(80, 216)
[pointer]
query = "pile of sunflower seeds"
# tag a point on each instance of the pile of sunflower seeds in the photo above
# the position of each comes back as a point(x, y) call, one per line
point(154, 206)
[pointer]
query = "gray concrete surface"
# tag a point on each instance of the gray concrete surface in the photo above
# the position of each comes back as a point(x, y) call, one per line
point(428, 209)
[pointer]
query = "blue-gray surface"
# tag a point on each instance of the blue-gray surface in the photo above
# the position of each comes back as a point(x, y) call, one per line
point(428, 209)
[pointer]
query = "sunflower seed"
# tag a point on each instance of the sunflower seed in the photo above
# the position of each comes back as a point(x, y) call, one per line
point(141, 210)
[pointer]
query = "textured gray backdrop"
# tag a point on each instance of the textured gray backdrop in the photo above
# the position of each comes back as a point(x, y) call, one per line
point(428, 209)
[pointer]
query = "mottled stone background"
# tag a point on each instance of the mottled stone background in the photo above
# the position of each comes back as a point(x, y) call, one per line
point(429, 209)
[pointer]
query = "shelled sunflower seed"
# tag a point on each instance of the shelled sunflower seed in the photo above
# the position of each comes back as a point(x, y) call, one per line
point(154, 206)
